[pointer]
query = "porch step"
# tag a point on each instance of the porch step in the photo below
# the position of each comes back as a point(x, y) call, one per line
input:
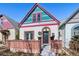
point(46, 51)
point(42, 47)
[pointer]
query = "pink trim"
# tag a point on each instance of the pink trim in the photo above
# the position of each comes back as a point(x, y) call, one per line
point(33, 18)
point(37, 17)
point(40, 21)
point(39, 25)
point(43, 36)
point(49, 14)
point(32, 9)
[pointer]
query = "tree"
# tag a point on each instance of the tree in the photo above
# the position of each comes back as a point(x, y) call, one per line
point(74, 43)
point(5, 34)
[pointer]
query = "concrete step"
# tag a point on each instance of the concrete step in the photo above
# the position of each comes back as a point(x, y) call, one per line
point(46, 51)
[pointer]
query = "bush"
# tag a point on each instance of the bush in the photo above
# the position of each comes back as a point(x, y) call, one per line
point(62, 54)
point(74, 43)
point(1, 42)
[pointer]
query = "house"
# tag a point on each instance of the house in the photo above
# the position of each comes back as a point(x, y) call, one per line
point(37, 29)
point(39, 23)
point(69, 28)
point(8, 28)
point(0, 35)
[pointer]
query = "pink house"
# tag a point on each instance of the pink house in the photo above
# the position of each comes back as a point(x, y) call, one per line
point(8, 28)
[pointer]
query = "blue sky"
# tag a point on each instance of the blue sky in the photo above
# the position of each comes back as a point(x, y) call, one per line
point(17, 11)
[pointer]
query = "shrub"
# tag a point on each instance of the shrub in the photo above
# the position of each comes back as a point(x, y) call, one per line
point(74, 43)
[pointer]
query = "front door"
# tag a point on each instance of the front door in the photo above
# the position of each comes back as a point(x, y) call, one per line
point(45, 37)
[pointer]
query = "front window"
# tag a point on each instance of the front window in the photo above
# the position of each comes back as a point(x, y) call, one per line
point(38, 17)
point(75, 31)
point(28, 35)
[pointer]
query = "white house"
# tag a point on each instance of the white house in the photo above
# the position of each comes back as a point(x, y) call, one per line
point(39, 22)
point(69, 28)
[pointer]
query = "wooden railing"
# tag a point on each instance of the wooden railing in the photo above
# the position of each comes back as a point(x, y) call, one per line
point(56, 45)
point(32, 46)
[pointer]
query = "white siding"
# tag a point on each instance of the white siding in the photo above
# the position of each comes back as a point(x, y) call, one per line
point(68, 33)
point(0, 36)
point(75, 18)
point(37, 23)
point(62, 36)
point(12, 34)
point(53, 28)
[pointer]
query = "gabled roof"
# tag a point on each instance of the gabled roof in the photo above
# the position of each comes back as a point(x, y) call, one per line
point(70, 17)
point(14, 23)
point(33, 8)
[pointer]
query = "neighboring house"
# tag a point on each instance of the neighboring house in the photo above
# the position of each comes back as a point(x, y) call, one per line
point(69, 28)
point(8, 28)
point(0, 34)
point(39, 23)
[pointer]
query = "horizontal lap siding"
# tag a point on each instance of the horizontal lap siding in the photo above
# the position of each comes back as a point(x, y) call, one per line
point(53, 29)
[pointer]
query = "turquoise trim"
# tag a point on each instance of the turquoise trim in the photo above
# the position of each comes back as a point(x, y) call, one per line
point(44, 16)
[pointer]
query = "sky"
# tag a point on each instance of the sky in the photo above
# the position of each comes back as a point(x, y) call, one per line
point(17, 11)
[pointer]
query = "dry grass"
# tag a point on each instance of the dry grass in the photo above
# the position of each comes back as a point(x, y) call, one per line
point(9, 53)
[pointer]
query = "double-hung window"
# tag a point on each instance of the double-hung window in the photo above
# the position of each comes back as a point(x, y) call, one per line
point(36, 17)
point(28, 35)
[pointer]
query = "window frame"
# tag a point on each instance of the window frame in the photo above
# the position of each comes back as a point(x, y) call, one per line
point(37, 17)
point(31, 33)
point(33, 17)
point(36, 20)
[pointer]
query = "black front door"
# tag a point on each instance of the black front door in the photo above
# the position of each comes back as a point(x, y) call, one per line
point(45, 37)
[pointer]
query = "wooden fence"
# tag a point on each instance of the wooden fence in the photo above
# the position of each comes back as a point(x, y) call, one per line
point(56, 45)
point(32, 46)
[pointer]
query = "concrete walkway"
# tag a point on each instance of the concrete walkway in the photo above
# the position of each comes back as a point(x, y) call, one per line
point(46, 51)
